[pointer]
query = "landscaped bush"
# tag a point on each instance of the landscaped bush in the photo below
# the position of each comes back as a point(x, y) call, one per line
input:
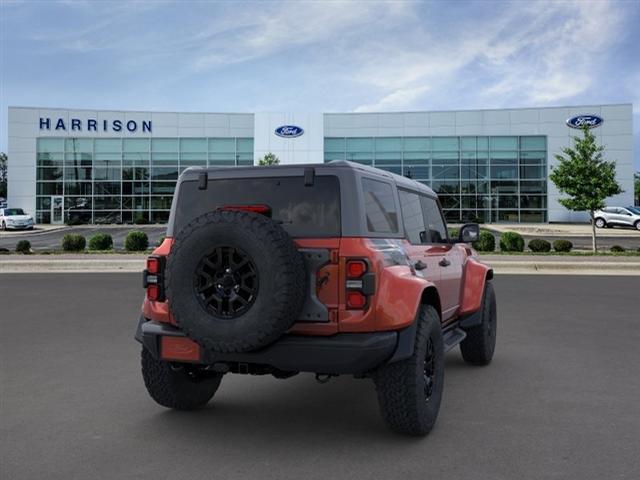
point(136, 241)
point(4, 251)
point(454, 233)
point(141, 220)
point(511, 242)
point(486, 242)
point(73, 242)
point(539, 245)
point(101, 241)
point(562, 245)
point(160, 240)
point(618, 249)
point(23, 246)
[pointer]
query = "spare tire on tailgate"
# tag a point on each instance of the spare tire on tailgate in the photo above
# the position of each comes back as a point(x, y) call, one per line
point(234, 280)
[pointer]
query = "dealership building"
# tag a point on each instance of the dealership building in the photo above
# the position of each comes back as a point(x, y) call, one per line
point(106, 166)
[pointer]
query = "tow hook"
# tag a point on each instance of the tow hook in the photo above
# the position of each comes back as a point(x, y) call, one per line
point(323, 377)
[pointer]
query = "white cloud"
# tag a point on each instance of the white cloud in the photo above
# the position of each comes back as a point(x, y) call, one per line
point(531, 53)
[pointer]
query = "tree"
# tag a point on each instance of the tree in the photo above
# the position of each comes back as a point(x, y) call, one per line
point(636, 187)
point(585, 177)
point(3, 174)
point(269, 159)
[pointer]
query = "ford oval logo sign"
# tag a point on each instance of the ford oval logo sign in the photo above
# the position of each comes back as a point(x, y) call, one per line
point(581, 121)
point(289, 131)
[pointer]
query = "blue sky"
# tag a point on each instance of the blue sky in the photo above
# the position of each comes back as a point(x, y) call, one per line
point(318, 56)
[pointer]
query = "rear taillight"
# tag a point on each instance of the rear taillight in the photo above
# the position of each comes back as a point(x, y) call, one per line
point(356, 300)
point(261, 209)
point(153, 265)
point(356, 268)
point(153, 278)
point(360, 284)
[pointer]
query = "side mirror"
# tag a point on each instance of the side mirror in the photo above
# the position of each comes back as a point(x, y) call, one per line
point(470, 232)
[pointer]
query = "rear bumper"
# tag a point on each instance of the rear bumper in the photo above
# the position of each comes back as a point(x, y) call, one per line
point(343, 353)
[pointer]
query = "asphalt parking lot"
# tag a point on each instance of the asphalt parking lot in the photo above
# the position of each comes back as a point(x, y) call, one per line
point(559, 401)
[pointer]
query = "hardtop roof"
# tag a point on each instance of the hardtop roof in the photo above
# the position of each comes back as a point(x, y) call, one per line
point(274, 170)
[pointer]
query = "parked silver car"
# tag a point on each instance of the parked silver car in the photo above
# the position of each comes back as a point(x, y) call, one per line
point(618, 216)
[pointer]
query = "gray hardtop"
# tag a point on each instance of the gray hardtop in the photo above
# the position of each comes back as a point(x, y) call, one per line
point(335, 167)
point(349, 174)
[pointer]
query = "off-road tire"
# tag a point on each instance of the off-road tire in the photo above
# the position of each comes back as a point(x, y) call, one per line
point(600, 222)
point(178, 387)
point(401, 385)
point(479, 345)
point(281, 281)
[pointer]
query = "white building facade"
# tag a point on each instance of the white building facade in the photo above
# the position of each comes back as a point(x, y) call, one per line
point(121, 166)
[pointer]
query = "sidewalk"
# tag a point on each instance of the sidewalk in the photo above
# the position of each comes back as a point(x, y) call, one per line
point(501, 264)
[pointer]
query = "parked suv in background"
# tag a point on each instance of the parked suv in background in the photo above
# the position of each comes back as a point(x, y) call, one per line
point(333, 269)
point(15, 218)
point(618, 216)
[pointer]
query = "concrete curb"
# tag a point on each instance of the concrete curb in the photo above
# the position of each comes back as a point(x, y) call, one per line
point(62, 265)
point(566, 268)
point(31, 264)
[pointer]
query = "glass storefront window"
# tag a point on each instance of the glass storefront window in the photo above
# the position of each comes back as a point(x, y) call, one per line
point(417, 144)
point(135, 145)
point(458, 165)
point(222, 145)
point(533, 143)
point(78, 145)
point(108, 145)
point(193, 145)
point(388, 144)
point(49, 145)
point(445, 144)
point(244, 145)
point(503, 143)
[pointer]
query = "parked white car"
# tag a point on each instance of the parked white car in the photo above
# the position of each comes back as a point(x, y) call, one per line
point(15, 218)
point(618, 216)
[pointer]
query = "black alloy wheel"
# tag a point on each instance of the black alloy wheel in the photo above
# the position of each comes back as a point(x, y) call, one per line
point(226, 281)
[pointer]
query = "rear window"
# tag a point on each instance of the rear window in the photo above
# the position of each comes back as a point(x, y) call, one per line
point(303, 211)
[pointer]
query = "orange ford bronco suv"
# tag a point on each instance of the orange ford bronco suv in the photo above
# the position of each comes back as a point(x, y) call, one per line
point(333, 269)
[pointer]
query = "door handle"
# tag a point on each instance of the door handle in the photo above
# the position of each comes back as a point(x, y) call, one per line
point(444, 262)
point(419, 265)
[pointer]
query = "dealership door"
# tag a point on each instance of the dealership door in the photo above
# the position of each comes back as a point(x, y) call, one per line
point(57, 209)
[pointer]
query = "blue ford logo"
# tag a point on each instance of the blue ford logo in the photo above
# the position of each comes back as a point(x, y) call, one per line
point(581, 121)
point(289, 131)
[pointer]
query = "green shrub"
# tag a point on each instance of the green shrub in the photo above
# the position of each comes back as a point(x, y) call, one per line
point(101, 241)
point(562, 245)
point(539, 245)
point(136, 241)
point(618, 249)
point(73, 242)
point(160, 240)
point(454, 233)
point(23, 246)
point(511, 242)
point(4, 251)
point(141, 220)
point(486, 242)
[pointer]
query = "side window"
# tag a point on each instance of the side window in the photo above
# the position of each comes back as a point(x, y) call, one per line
point(380, 207)
point(412, 216)
point(436, 228)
